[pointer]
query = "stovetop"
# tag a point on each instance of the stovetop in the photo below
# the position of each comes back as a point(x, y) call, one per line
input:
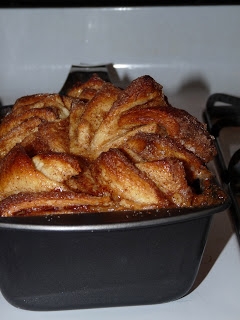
point(194, 53)
point(222, 114)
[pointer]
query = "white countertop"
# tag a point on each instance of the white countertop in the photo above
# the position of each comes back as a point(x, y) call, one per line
point(192, 52)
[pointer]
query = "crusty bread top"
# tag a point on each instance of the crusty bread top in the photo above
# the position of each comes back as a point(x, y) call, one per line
point(102, 148)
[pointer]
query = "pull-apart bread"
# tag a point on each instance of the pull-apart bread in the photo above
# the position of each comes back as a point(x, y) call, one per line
point(102, 148)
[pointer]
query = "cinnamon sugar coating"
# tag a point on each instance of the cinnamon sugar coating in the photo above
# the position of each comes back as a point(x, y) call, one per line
point(102, 148)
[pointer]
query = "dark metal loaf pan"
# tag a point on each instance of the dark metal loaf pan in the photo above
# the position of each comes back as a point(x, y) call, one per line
point(94, 260)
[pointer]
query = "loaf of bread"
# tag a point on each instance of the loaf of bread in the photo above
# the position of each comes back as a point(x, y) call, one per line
point(102, 148)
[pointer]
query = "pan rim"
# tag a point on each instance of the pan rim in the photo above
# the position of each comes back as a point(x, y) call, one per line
point(132, 219)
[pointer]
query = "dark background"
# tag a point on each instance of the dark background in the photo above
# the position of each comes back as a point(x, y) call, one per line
point(107, 3)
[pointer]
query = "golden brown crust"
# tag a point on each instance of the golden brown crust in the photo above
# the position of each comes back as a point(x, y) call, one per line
point(50, 136)
point(94, 114)
point(57, 166)
point(101, 148)
point(175, 123)
point(153, 147)
point(18, 134)
point(12, 121)
point(141, 92)
point(39, 101)
point(119, 177)
point(18, 174)
point(53, 202)
point(170, 177)
point(87, 90)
